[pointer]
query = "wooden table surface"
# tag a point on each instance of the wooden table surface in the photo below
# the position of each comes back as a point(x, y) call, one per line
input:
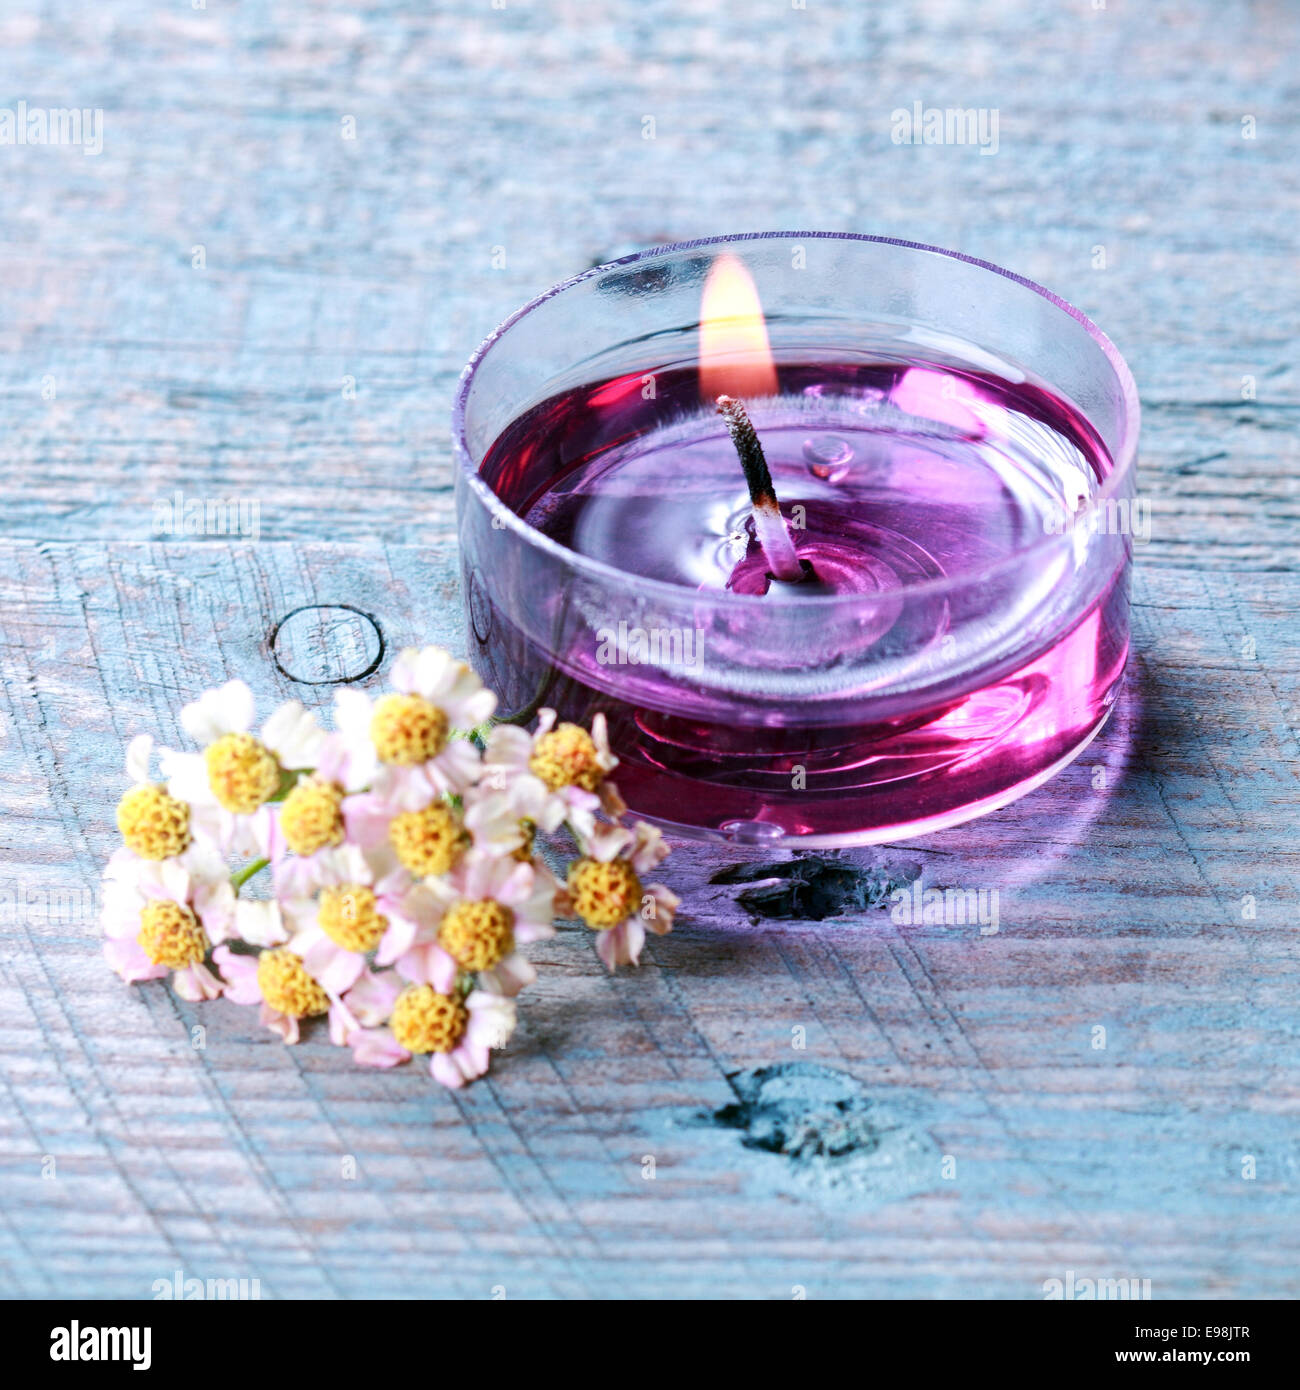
point(237, 301)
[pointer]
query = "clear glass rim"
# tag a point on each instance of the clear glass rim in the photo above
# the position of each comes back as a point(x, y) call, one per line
point(508, 520)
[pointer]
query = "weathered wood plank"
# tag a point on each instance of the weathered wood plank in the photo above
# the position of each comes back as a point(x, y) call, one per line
point(1119, 908)
point(345, 282)
point(308, 366)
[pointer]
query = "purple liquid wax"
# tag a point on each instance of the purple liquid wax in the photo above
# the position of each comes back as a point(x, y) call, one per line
point(935, 700)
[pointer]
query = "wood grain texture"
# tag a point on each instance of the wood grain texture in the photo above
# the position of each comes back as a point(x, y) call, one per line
point(308, 367)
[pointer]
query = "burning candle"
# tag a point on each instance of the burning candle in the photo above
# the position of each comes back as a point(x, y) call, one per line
point(804, 516)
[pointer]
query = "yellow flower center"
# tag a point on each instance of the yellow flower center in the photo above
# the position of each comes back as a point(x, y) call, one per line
point(604, 894)
point(242, 771)
point(312, 816)
point(153, 823)
point(287, 987)
point(349, 918)
point(171, 935)
point(428, 841)
point(408, 730)
point(478, 934)
point(567, 757)
point(425, 1021)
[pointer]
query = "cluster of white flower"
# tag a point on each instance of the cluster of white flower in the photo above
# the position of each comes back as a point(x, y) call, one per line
point(402, 878)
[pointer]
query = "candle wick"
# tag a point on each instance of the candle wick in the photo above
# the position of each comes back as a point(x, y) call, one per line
point(769, 524)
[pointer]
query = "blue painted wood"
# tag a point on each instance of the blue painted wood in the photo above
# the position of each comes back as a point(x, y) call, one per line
point(307, 366)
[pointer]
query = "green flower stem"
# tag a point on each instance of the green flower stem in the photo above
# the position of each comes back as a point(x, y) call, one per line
point(289, 779)
point(237, 880)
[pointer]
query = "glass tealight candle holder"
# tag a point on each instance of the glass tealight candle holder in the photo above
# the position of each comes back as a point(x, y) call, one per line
point(953, 452)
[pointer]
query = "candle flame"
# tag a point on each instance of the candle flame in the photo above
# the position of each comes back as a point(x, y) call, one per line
point(735, 355)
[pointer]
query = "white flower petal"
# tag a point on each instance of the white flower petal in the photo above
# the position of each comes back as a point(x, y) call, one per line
point(435, 672)
point(492, 1018)
point(293, 735)
point(229, 710)
point(260, 923)
point(187, 776)
point(138, 753)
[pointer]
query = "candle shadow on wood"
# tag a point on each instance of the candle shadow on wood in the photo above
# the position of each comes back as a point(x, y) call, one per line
point(1010, 850)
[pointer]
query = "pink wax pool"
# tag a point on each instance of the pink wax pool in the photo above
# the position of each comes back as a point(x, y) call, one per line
point(943, 440)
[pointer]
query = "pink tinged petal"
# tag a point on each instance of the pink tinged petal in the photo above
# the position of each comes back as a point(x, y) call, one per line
point(516, 883)
point(607, 842)
point(332, 759)
point(130, 962)
point(443, 1069)
point(429, 965)
point(333, 968)
point(475, 709)
point(366, 819)
point(372, 998)
point(611, 802)
point(405, 671)
point(209, 823)
point(121, 919)
point(666, 902)
point(457, 767)
point(438, 675)
point(167, 879)
point(621, 945)
point(392, 881)
point(281, 1024)
point(347, 864)
point(216, 906)
point(260, 833)
point(421, 904)
point(441, 968)
point(649, 848)
point(470, 1058)
point(396, 941)
point(508, 976)
point(297, 878)
point(600, 737)
point(633, 940)
point(508, 748)
point(343, 1023)
point(413, 967)
point(491, 1018)
point(526, 931)
point(239, 974)
point(122, 864)
point(376, 1047)
point(581, 821)
point(196, 982)
point(538, 908)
